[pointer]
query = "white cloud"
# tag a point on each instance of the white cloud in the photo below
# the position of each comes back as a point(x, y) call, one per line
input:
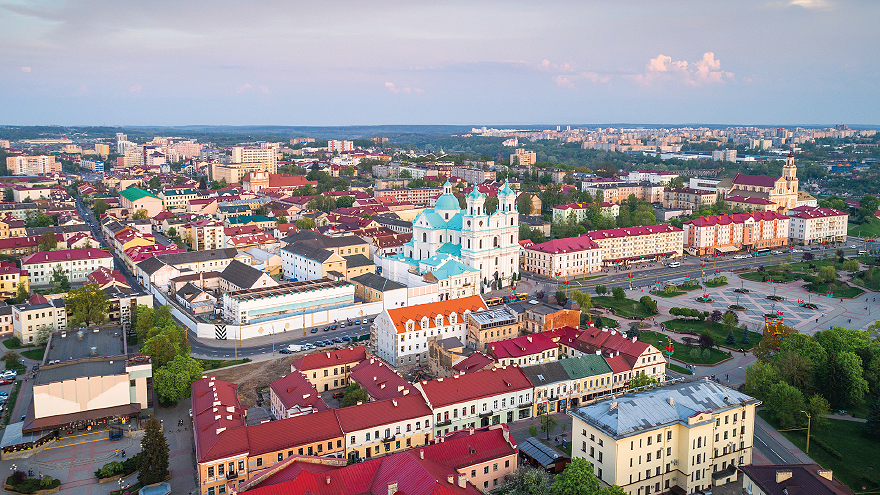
point(811, 4)
point(244, 88)
point(664, 68)
point(390, 86)
point(25, 69)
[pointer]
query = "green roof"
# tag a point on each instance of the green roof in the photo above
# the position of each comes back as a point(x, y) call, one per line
point(585, 366)
point(134, 194)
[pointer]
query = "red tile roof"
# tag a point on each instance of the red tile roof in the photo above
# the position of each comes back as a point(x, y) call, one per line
point(460, 388)
point(22, 242)
point(594, 339)
point(525, 345)
point(65, 255)
point(320, 360)
point(469, 447)
point(565, 245)
point(755, 180)
point(473, 363)
point(103, 276)
point(380, 380)
point(370, 414)
point(618, 364)
point(400, 316)
point(241, 229)
point(139, 253)
point(294, 389)
point(219, 429)
point(758, 216)
point(631, 231)
point(564, 335)
point(807, 212)
point(287, 433)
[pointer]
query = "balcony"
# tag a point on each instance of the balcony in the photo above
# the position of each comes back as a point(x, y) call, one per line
point(487, 414)
point(231, 475)
point(389, 439)
point(443, 423)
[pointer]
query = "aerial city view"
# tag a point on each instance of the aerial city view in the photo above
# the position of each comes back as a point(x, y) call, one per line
point(404, 248)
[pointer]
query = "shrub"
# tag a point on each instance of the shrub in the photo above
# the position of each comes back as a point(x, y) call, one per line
point(110, 469)
point(14, 342)
point(18, 477)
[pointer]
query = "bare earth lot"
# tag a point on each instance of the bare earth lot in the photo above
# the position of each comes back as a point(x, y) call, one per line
point(251, 377)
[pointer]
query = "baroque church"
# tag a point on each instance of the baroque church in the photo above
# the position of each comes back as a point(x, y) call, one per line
point(781, 191)
point(488, 243)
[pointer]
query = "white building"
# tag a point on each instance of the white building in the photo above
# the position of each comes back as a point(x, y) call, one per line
point(266, 154)
point(402, 334)
point(811, 224)
point(76, 264)
point(488, 243)
point(703, 184)
point(451, 278)
point(266, 304)
point(333, 146)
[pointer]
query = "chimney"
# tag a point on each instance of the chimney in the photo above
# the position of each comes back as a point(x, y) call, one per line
point(529, 338)
point(451, 479)
point(328, 479)
point(394, 401)
point(671, 401)
point(634, 339)
point(826, 473)
point(421, 453)
point(782, 476)
point(462, 481)
point(392, 488)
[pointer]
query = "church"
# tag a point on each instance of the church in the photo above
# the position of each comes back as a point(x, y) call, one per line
point(755, 191)
point(486, 242)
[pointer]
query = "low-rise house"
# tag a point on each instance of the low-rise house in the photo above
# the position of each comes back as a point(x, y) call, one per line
point(385, 427)
point(293, 395)
point(330, 370)
point(380, 380)
point(239, 276)
point(370, 287)
point(524, 350)
point(195, 299)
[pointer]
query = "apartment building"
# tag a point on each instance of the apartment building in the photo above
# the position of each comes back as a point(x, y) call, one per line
point(306, 260)
point(416, 196)
point(811, 225)
point(36, 313)
point(685, 436)
point(653, 176)
point(639, 244)
point(177, 200)
point(578, 212)
point(618, 192)
point(336, 146)
point(402, 334)
point(524, 350)
point(32, 165)
point(688, 199)
point(385, 427)
point(77, 264)
point(11, 277)
point(719, 234)
point(293, 395)
point(565, 258)
point(475, 400)
point(329, 370)
point(474, 175)
point(523, 158)
point(205, 234)
point(11, 228)
point(265, 156)
point(135, 199)
point(491, 325)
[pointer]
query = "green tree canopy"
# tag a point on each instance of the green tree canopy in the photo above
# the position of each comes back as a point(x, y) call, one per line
point(353, 394)
point(577, 478)
point(619, 293)
point(844, 383)
point(47, 242)
point(524, 204)
point(760, 376)
point(141, 214)
point(344, 201)
point(173, 380)
point(527, 481)
point(87, 305)
point(153, 460)
point(305, 224)
point(60, 282)
point(786, 403)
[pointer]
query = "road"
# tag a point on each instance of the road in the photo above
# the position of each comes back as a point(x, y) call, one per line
point(771, 449)
point(202, 348)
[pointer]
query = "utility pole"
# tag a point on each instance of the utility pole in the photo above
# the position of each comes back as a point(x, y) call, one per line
point(808, 431)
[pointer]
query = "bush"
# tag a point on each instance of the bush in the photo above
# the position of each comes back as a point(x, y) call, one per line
point(13, 342)
point(110, 469)
point(31, 485)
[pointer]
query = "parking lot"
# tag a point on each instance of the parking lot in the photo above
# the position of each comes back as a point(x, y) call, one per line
point(343, 333)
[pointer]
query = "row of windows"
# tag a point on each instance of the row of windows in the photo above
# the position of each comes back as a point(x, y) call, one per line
point(445, 415)
point(375, 434)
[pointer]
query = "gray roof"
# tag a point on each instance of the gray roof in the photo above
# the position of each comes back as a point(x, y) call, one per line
point(543, 309)
point(449, 343)
point(493, 315)
point(309, 250)
point(545, 373)
point(533, 221)
point(198, 256)
point(387, 220)
point(188, 291)
point(66, 229)
point(107, 343)
point(61, 372)
point(650, 409)
point(541, 452)
point(150, 265)
point(356, 260)
point(302, 235)
point(240, 274)
point(377, 282)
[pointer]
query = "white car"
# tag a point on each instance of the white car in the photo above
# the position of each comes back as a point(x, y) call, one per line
point(739, 257)
point(775, 252)
point(797, 250)
point(747, 256)
point(853, 246)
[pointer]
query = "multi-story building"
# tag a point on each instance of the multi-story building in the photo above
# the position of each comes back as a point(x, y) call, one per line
point(76, 264)
point(265, 156)
point(306, 260)
point(639, 244)
point(491, 325)
point(544, 317)
point(618, 192)
point(653, 176)
point(12, 228)
point(293, 395)
point(475, 400)
point(578, 212)
point(718, 234)
point(32, 165)
point(523, 158)
point(524, 350)
point(205, 234)
point(563, 257)
point(334, 146)
point(385, 427)
point(475, 175)
point(687, 198)
point(724, 155)
point(11, 277)
point(176, 200)
point(416, 196)
point(704, 184)
point(781, 191)
point(789, 479)
point(265, 304)
point(402, 334)
point(329, 370)
point(627, 357)
point(136, 199)
point(35, 314)
point(687, 435)
point(810, 225)
point(159, 270)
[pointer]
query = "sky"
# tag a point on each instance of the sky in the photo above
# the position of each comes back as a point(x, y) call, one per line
point(466, 62)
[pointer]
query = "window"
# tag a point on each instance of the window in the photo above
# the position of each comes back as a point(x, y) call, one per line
point(260, 461)
point(486, 470)
point(280, 457)
point(221, 489)
point(241, 463)
point(210, 471)
point(210, 490)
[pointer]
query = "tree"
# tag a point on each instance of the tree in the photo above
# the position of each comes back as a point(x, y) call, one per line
point(524, 204)
point(166, 345)
point(153, 459)
point(760, 376)
point(675, 183)
point(60, 282)
point(872, 425)
point(844, 382)
point(577, 478)
point(344, 201)
point(172, 232)
point(305, 224)
point(43, 334)
point(548, 424)
point(642, 380)
point(730, 340)
point(353, 394)
point(154, 183)
point(87, 305)
point(583, 299)
point(8, 195)
point(619, 293)
point(851, 266)
point(706, 340)
point(281, 219)
point(746, 338)
point(21, 294)
point(173, 380)
point(601, 289)
point(404, 174)
point(716, 315)
point(47, 242)
point(533, 431)
point(141, 214)
point(527, 481)
point(818, 408)
point(648, 303)
point(786, 403)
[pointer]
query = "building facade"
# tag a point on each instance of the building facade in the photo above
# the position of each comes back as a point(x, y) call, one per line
point(809, 225)
point(76, 264)
point(719, 234)
point(563, 257)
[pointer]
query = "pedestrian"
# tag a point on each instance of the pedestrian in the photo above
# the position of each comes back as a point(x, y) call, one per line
point(117, 452)
point(727, 377)
point(41, 475)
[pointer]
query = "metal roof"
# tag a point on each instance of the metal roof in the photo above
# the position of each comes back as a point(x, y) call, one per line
point(540, 452)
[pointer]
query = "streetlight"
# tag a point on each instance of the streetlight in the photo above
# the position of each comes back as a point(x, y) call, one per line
point(808, 430)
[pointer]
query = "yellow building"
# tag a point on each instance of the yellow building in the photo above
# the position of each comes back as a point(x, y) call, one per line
point(11, 277)
point(11, 228)
point(781, 191)
point(329, 370)
point(687, 435)
point(384, 427)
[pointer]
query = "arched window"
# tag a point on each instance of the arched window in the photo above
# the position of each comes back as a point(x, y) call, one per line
point(441, 238)
point(424, 237)
point(446, 215)
point(472, 210)
point(495, 242)
point(511, 239)
point(478, 210)
point(469, 243)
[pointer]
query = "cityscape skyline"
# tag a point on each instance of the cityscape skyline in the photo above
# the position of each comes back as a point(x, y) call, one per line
point(96, 63)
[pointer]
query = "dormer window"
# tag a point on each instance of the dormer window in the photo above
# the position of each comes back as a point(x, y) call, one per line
point(424, 323)
point(453, 318)
point(438, 321)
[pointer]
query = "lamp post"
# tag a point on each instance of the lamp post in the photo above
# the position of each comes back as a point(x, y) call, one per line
point(808, 430)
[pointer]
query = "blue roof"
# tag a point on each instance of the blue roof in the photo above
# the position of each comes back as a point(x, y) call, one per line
point(475, 193)
point(452, 268)
point(401, 257)
point(449, 248)
point(447, 202)
point(506, 190)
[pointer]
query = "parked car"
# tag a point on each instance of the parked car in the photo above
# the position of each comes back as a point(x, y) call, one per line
point(775, 252)
point(372, 319)
point(346, 338)
point(357, 322)
point(314, 330)
point(334, 327)
point(327, 329)
point(285, 350)
point(338, 340)
point(6, 381)
point(338, 395)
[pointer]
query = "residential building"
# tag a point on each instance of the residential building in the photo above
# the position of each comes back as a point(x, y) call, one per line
point(688, 199)
point(475, 400)
point(77, 264)
point(35, 314)
point(639, 244)
point(262, 260)
point(266, 304)
point(491, 325)
point(618, 192)
point(750, 203)
point(704, 184)
point(239, 276)
point(568, 257)
point(205, 234)
point(523, 158)
point(789, 479)
point(329, 370)
point(781, 191)
point(552, 387)
point(525, 350)
point(11, 277)
point(335, 146)
point(135, 199)
point(686, 435)
point(809, 225)
point(306, 260)
point(381, 381)
point(592, 380)
point(159, 270)
point(578, 212)
point(653, 176)
point(176, 200)
point(475, 175)
point(719, 234)
point(33, 165)
point(385, 427)
point(402, 334)
point(626, 356)
point(416, 196)
point(263, 158)
point(11, 228)
point(293, 395)
point(536, 318)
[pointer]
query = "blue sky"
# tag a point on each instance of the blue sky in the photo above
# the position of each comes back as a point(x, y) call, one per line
point(161, 62)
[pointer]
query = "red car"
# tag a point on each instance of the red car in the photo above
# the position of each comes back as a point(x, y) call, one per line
point(6, 381)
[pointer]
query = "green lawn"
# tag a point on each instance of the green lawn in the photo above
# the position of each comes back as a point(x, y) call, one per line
point(213, 364)
point(856, 469)
point(840, 289)
point(717, 332)
point(764, 276)
point(663, 293)
point(710, 284)
point(591, 278)
point(566, 448)
point(626, 307)
point(35, 354)
point(684, 352)
point(9, 345)
point(869, 229)
point(679, 369)
point(689, 286)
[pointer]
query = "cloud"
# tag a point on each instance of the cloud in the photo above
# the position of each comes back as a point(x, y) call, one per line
point(567, 74)
point(25, 69)
point(135, 88)
point(390, 86)
point(244, 88)
point(664, 68)
point(811, 4)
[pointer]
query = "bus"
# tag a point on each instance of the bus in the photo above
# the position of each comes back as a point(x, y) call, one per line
point(493, 301)
point(762, 252)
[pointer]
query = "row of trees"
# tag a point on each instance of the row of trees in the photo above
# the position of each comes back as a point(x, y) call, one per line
point(174, 370)
point(835, 369)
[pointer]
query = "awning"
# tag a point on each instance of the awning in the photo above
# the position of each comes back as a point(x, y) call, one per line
point(31, 424)
point(727, 249)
